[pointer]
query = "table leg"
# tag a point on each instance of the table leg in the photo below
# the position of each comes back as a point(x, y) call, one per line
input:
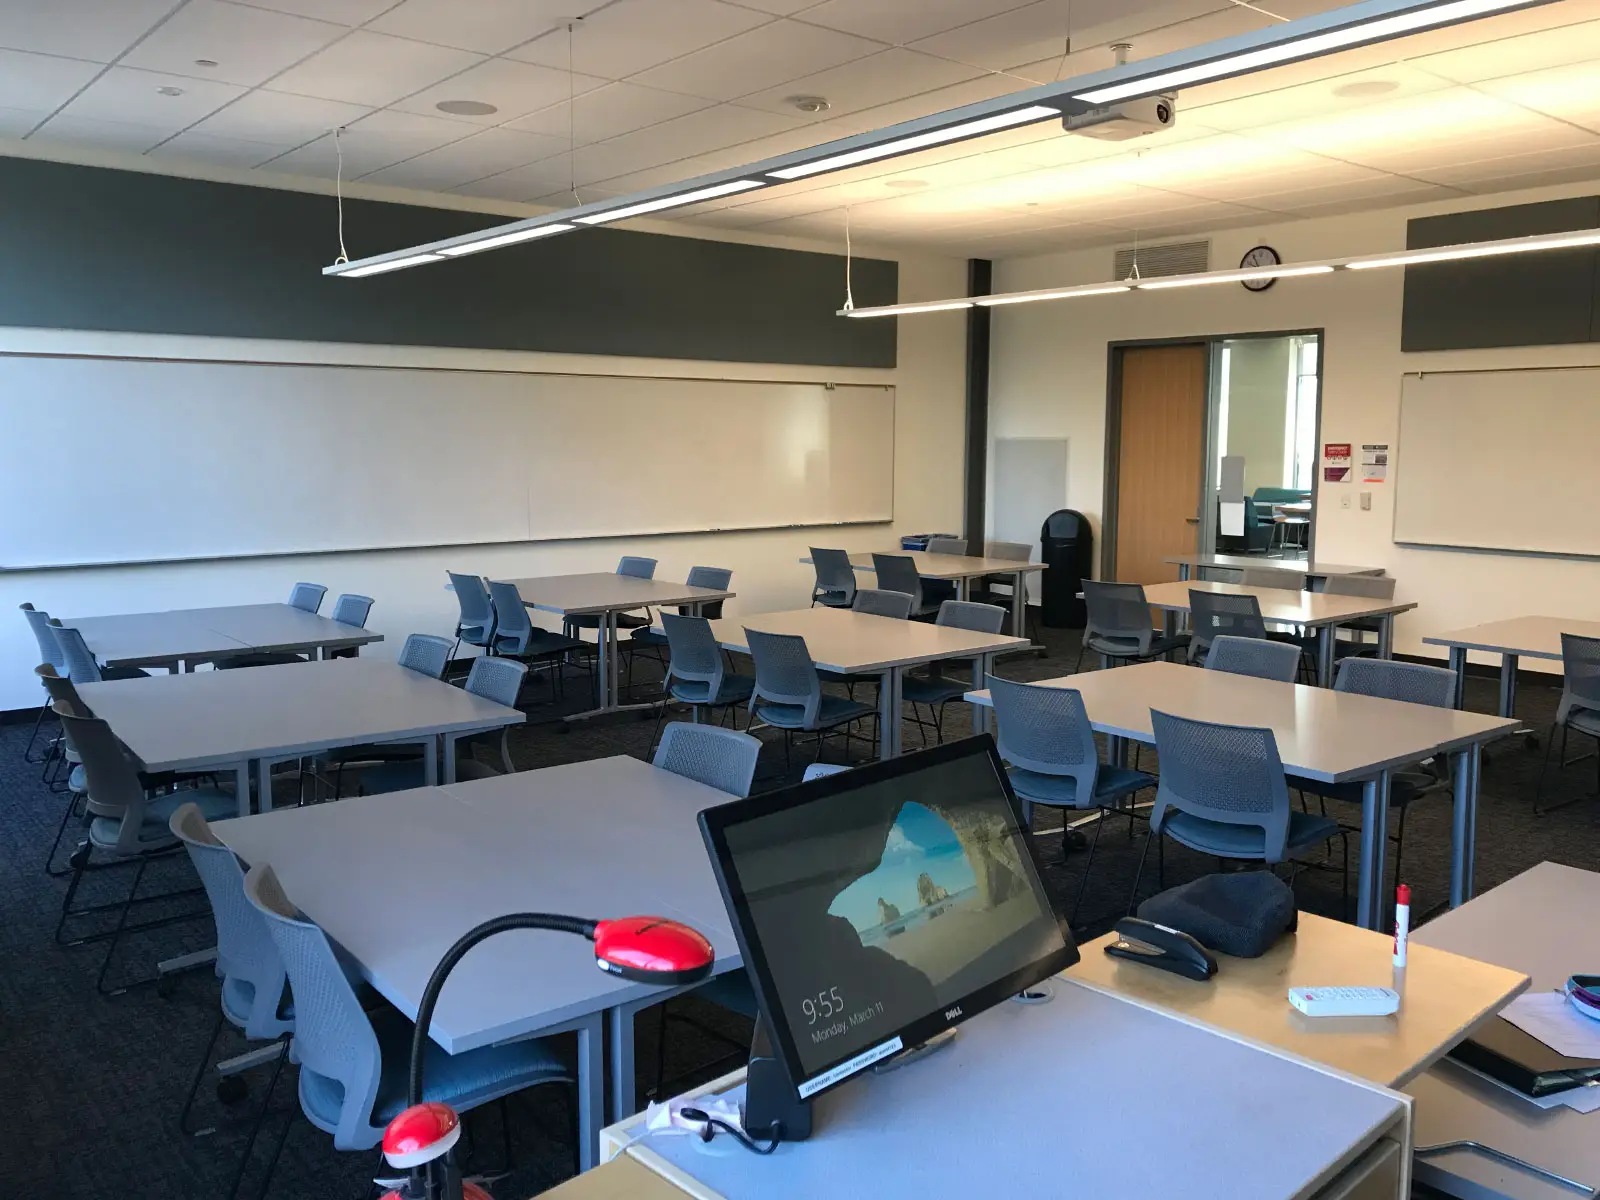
point(1386, 636)
point(1464, 824)
point(430, 759)
point(1374, 846)
point(1183, 572)
point(963, 588)
point(241, 786)
point(602, 664)
point(1458, 664)
point(264, 783)
point(1325, 641)
point(614, 696)
point(981, 666)
point(1508, 685)
point(591, 1089)
point(1019, 605)
point(889, 714)
point(623, 1103)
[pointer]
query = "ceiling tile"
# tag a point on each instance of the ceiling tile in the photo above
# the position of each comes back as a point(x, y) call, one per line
point(779, 8)
point(488, 153)
point(1327, 96)
point(878, 79)
point(631, 35)
point(900, 21)
point(373, 69)
point(1574, 43)
point(526, 184)
point(249, 45)
point(129, 137)
point(40, 82)
point(16, 122)
point(92, 29)
point(217, 151)
point(610, 111)
point(489, 26)
point(372, 143)
point(1022, 35)
point(123, 94)
point(342, 12)
point(279, 118)
point(1509, 171)
point(514, 88)
point(754, 61)
point(1568, 93)
point(696, 133)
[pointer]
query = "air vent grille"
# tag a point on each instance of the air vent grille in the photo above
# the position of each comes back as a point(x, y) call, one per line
point(1169, 258)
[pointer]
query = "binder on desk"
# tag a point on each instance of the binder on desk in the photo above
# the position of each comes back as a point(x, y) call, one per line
point(1520, 1060)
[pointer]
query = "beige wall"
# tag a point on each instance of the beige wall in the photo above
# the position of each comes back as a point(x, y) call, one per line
point(1048, 379)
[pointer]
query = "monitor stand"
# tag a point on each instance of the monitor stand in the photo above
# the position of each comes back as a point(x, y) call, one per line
point(770, 1095)
point(916, 1053)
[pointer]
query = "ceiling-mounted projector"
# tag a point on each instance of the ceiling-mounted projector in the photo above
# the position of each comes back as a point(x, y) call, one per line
point(1121, 122)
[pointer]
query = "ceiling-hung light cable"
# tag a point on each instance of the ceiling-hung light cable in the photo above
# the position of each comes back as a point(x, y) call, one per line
point(1066, 39)
point(338, 193)
point(849, 300)
point(572, 123)
point(1265, 12)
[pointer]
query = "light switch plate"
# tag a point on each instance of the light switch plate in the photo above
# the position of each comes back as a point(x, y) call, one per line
point(1344, 500)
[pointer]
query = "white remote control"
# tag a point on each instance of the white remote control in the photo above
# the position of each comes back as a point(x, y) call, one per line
point(1345, 1001)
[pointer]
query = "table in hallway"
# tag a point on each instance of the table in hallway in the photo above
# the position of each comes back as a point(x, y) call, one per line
point(183, 637)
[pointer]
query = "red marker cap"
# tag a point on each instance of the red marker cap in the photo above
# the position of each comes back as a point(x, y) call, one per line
point(1402, 894)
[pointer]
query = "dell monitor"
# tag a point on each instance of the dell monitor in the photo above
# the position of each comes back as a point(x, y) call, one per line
point(876, 908)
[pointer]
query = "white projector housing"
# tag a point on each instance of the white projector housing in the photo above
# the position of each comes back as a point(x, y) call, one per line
point(1120, 122)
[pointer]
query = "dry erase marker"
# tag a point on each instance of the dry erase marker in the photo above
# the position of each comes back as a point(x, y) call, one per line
point(1402, 923)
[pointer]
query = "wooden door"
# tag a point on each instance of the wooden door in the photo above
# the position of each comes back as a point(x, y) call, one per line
point(1160, 459)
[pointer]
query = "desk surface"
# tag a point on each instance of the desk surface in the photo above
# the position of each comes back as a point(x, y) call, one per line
point(1285, 605)
point(606, 591)
point(604, 837)
point(1254, 562)
point(133, 639)
point(214, 717)
point(1322, 734)
point(1444, 997)
point(840, 639)
point(945, 566)
point(622, 1178)
point(1531, 637)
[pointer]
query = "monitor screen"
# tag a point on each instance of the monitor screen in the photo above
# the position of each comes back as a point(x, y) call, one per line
point(877, 907)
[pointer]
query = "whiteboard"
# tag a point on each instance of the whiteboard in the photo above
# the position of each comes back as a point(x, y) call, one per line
point(1500, 460)
point(137, 460)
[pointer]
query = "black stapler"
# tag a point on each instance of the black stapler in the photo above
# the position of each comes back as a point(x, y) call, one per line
point(1158, 946)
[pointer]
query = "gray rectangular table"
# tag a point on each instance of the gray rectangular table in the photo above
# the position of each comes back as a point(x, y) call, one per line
point(606, 838)
point(1332, 737)
point(1517, 637)
point(1541, 923)
point(183, 637)
point(1189, 564)
point(604, 594)
point(853, 643)
point(267, 715)
point(962, 569)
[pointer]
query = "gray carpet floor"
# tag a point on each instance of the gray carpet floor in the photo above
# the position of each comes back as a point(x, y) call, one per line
point(96, 1083)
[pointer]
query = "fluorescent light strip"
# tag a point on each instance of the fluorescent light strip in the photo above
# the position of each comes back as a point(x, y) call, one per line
point(650, 206)
point(1054, 294)
point(954, 133)
point(1178, 281)
point(394, 264)
point(506, 239)
point(1547, 241)
point(1308, 47)
point(891, 310)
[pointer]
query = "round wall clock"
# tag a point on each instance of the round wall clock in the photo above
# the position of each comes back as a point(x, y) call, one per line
point(1259, 256)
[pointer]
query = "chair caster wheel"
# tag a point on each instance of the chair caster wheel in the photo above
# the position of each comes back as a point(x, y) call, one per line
point(1073, 839)
point(232, 1090)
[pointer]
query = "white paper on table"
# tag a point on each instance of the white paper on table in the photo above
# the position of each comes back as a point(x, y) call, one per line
point(1549, 1016)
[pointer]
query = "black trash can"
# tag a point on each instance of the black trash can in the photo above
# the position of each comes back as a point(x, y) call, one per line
point(1067, 543)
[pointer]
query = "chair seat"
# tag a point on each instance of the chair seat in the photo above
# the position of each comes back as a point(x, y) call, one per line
point(394, 776)
point(540, 644)
point(1246, 841)
point(932, 689)
point(1585, 720)
point(735, 689)
point(834, 710)
point(1403, 788)
point(463, 1081)
point(592, 621)
point(1110, 784)
point(835, 599)
point(216, 804)
point(1121, 647)
point(258, 660)
point(648, 635)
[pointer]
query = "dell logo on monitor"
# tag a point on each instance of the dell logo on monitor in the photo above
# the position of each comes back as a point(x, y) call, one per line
point(950, 1014)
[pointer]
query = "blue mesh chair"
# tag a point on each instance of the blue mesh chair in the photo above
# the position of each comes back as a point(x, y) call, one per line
point(698, 674)
point(1045, 735)
point(788, 691)
point(64, 698)
point(1255, 657)
point(648, 637)
point(350, 609)
point(81, 665)
point(354, 1064)
point(1223, 793)
point(500, 680)
point(1373, 587)
point(1117, 626)
point(49, 653)
point(475, 625)
point(898, 573)
point(1579, 707)
point(516, 636)
point(933, 689)
point(874, 602)
point(724, 759)
point(425, 654)
point(937, 591)
point(836, 578)
point(307, 597)
point(1221, 613)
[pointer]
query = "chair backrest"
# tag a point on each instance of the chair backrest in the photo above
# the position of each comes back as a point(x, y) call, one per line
point(947, 545)
point(497, 679)
point(1580, 665)
point(1289, 581)
point(64, 696)
point(1117, 610)
point(307, 597)
point(1254, 656)
point(1045, 729)
point(81, 666)
point(1415, 683)
point(245, 950)
point(785, 672)
point(513, 628)
point(1226, 773)
point(820, 770)
point(721, 758)
point(709, 577)
point(965, 614)
point(834, 572)
point(49, 645)
point(695, 655)
point(476, 623)
point(1374, 587)
point(350, 609)
point(112, 779)
point(1015, 551)
point(426, 654)
point(638, 568)
point(333, 1037)
point(898, 573)
point(1212, 614)
point(879, 603)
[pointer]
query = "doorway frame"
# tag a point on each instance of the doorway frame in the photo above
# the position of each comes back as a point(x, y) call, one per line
point(1113, 450)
